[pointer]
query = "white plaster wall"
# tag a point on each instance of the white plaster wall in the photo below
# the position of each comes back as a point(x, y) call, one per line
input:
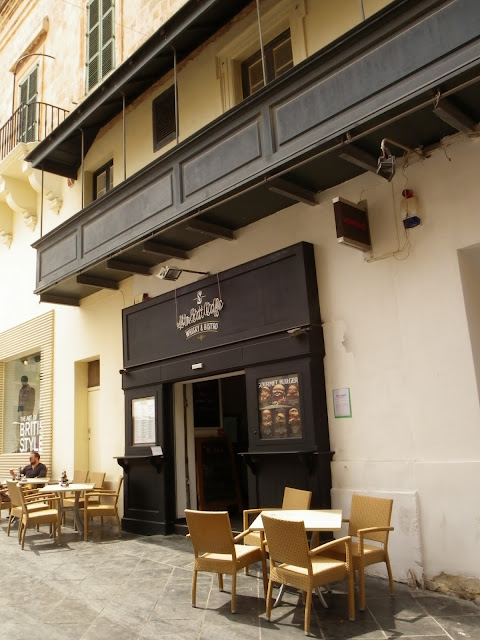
point(396, 334)
point(94, 330)
point(17, 277)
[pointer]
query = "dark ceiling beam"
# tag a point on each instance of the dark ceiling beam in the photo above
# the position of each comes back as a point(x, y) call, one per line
point(293, 191)
point(360, 158)
point(54, 299)
point(455, 117)
point(210, 229)
point(164, 250)
point(94, 281)
point(129, 267)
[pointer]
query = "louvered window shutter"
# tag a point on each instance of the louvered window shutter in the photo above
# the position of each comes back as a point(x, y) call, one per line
point(108, 37)
point(28, 116)
point(164, 121)
point(24, 92)
point(100, 40)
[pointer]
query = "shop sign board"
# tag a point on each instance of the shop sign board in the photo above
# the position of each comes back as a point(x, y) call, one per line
point(202, 317)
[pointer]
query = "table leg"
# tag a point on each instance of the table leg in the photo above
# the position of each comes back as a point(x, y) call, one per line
point(76, 514)
point(313, 542)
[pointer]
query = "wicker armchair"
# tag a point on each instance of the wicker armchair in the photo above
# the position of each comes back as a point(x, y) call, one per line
point(35, 510)
point(5, 502)
point(292, 562)
point(370, 520)
point(216, 550)
point(16, 510)
point(95, 506)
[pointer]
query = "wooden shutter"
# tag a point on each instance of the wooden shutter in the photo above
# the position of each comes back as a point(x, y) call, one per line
point(164, 120)
point(28, 117)
point(100, 40)
point(108, 37)
point(93, 44)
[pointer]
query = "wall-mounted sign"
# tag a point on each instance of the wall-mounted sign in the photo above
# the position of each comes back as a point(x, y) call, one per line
point(341, 403)
point(351, 221)
point(279, 407)
point(202, 318)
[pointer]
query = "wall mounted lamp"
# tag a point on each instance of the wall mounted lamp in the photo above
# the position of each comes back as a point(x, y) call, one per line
point(386, 161)
point(173, 273)
point(386, 164)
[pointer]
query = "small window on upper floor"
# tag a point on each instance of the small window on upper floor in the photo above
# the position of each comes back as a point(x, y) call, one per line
point(278, 59)
point(100, 40)
point(103, 180)
point(164, 120)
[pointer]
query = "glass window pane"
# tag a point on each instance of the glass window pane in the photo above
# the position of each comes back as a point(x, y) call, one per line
point(21, 420)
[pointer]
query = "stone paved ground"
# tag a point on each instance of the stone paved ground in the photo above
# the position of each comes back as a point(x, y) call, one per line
point(139, 587)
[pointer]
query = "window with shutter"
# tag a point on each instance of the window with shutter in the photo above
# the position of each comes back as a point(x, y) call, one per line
point(100, 40)
point(164, 120)
point(278, 59)
point(27, 131)
point(103, 180)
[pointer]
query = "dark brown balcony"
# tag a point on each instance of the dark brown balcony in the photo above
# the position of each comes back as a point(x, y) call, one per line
point(30, 123)
point(409, 74)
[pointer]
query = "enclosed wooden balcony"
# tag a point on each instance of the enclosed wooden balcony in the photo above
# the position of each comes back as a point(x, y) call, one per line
point(409, 74)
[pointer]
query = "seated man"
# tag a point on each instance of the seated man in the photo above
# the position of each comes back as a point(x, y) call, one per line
point(35, 469)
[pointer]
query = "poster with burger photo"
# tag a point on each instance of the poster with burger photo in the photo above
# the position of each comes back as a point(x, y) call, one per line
point(279, 407)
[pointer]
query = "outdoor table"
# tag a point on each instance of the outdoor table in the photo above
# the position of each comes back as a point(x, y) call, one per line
point(314, 520)
point(24, 481)
point(36, 480)
point(77, 489)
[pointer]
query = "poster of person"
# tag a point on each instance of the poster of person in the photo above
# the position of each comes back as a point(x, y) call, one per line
point(279, 407)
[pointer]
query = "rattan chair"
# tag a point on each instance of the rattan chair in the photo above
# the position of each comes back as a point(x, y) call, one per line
point(293, 563)
point(216, 550)
point(370, 520)
point(16, 510)
point(292, 499)
point(95, 506)
point(31, 514)
point(5, 502)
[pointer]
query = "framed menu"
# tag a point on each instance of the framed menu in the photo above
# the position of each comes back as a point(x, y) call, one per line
point(143, 420)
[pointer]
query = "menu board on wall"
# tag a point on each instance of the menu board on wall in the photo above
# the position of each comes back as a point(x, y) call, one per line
point(143, 420)
point(279, 407)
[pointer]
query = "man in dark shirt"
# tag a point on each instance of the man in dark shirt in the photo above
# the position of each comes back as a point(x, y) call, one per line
point(35, 469)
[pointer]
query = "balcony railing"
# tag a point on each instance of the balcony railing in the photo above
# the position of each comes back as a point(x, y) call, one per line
point(30, 123)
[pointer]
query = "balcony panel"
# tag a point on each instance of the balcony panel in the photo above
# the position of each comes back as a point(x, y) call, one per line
point(139, 213)
point(295, 128)
point(236, 150)
point(56, 259)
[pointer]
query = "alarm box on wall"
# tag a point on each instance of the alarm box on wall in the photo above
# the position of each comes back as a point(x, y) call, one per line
point(351, 221)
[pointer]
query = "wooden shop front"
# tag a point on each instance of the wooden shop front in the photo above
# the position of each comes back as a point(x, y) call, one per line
point(225, 393)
